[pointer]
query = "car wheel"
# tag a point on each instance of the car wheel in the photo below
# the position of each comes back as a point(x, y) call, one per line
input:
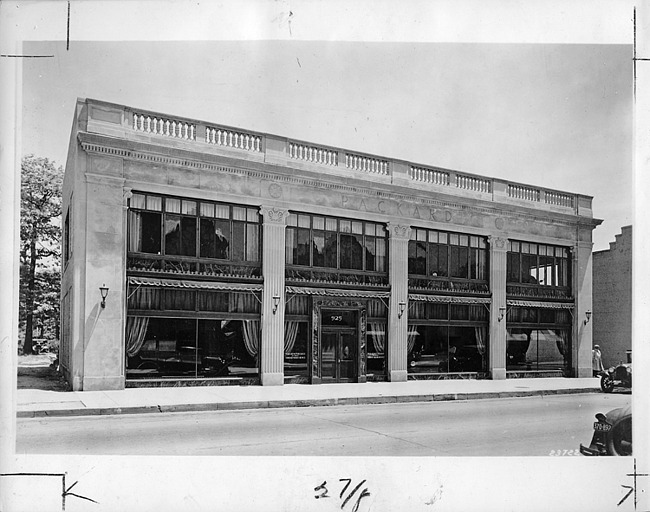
point(619, 440)
point(606, 384)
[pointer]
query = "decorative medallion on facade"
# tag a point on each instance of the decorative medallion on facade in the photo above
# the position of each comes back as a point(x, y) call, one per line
point(105, 165)
point(275, 190)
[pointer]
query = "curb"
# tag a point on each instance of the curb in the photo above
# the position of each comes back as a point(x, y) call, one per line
point(278, 404)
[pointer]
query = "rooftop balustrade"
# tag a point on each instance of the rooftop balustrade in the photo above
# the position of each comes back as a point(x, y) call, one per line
point(194, 135)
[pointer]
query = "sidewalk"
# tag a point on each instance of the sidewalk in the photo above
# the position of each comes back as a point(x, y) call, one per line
point(39, 403)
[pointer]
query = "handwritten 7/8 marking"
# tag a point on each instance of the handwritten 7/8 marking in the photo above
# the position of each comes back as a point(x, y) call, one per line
point(324, 493)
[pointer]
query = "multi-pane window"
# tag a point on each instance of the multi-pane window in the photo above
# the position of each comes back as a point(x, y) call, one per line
point(180, 227)
point(229, 232)
point(184, 227)
point(440, 254)
point(319, 241)
point(543, 265)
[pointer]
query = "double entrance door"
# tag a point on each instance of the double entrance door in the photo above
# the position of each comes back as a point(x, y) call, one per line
point(338, 361)
point(339, 346)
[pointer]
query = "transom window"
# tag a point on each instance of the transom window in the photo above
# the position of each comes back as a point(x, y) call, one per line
point(538, 264)
point(184, 227)
point(319, 241)
point(440, 254)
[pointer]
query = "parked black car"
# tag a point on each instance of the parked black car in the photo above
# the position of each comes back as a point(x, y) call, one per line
point(612, 433)
point(616, 376)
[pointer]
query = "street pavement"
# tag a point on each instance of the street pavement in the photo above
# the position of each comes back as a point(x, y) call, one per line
point(41, 403)
point(538, 425)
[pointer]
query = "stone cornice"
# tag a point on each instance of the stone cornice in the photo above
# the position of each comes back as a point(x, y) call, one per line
point(108, 146)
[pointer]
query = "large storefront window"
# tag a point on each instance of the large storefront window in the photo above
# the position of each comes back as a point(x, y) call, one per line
point(180, 227)
point(176, 332)
point(327, 242)
point(538, 264)
point(297, 336)
point(447, 338)
point(538, 339)
point(376, 338)
point(182, 347)
point(296, 341)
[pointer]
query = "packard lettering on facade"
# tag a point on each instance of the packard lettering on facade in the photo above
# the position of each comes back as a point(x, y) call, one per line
point(232, 257)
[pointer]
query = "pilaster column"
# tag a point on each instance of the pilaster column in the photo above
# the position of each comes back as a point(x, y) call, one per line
point(126, 197)
point(101, 344)
point(582, 291)
point(271, 350)
point(498, 267)
point(398, 278)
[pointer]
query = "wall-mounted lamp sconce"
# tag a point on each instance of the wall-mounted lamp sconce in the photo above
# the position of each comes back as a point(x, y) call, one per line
point(502, 313)
point(588, 315)
point(276, 303)
point(402, 307)
point(103, 289)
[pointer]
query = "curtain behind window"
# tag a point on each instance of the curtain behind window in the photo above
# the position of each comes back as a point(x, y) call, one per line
point(135, 231)
point(244, 302)
point(378, 331)
point(562, 340)
point(290, 333)
point(480, 333)
point(136, 328)
point(144, 297)
point(412, 334)
point(376, 308)
point(251, 331)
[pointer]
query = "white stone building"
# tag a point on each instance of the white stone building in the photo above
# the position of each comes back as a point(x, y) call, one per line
point(231, 256)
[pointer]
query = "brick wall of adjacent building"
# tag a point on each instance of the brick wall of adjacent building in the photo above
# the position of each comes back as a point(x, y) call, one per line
point(612, 298)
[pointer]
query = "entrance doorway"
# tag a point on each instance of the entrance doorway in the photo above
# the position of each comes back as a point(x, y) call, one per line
point(339, 340)
point(338, 361)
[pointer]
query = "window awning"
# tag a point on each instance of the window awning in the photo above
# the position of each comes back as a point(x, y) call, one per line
point(449, 299)
point(330, 292)
point(539, 304)
point(195, 285)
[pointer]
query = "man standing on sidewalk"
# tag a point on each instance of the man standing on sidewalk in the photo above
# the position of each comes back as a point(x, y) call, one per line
point(597, 360)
